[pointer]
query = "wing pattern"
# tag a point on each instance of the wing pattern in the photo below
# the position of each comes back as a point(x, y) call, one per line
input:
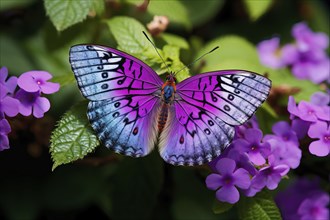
point(205, 111)
point(124, 96)
point(103, 73)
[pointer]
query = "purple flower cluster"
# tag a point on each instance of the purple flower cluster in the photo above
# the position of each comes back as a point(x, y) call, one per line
point(306, 56)
point(303, 200)
point(313, 119)
point(256, 161)
point(26, 100)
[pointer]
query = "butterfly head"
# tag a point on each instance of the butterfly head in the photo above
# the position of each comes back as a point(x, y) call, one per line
point(171, 78)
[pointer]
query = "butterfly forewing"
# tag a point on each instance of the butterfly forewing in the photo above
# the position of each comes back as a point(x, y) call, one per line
point(103, 73)
point(124, 94)
point(205, 109)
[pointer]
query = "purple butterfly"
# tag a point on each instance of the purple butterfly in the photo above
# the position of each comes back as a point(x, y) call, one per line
point(131, 109)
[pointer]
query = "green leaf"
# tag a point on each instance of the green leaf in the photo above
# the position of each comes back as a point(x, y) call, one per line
point(186, 13)
point(257, 8)
point(13, 56)
point(98, 6)
point(64, 80)
point(175, 40)
point(175, 10)
point(172, 53)
point(73, 137)
point(136, 186)
point(269, 110)
point(65, 13)
point(202, 11)
point(260, 207)
point(128, 34)
point(234, 53)
point(221, 207)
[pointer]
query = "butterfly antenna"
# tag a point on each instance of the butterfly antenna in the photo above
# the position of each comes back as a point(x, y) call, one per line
point(197, 59)
point(156, 50)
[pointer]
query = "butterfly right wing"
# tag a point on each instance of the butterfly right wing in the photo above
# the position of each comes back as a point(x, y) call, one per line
point(206, 108)
point(124, 94)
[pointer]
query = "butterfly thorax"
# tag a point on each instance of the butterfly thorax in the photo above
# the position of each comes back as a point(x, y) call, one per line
point(168, 91)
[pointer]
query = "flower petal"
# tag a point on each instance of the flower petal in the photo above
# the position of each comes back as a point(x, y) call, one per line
point(228, 194)
point(3, 74)
point(319, 148)
point(4, 142)
point(213, 181)
point(256, 158)
point(272, 181)
point(11, 84)
point(40, 106)
point(49, 87)
point(317, 129)
point(241, 145)
point(27, 82)
point(282, 169)
point(253, 135)
point(281, 128)
point(4, 127)
point(225, 165)
point(242, 178)
point(10, 106)
point(292, 107)
point(40, 75)
point(300, 127)
point(25, 109)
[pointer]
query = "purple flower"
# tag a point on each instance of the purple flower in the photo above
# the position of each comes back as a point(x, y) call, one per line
point(270, 53)
point(311, 60)
point(4, 130)
point(284, 132)
point(320, 99)
point(242, 160)
point(252, 145)
point(227, 179)
point(309, 66)
point(284, 153)
point(307, 111)
point(314, 208)
point(300, 127)
point(31, 101)
point(290, 200)
point(10, 84)
point(269, 176)
point(321, 131)
point(252, 123)
point(8, 105)
point(34, 81)
point(308, 40)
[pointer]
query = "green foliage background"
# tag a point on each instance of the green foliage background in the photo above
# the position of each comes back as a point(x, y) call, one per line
point(37, 34)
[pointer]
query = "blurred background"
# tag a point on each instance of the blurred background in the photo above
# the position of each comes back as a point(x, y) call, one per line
point(104, 185)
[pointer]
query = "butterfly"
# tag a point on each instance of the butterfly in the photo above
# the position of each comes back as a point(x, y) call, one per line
point(132, 110)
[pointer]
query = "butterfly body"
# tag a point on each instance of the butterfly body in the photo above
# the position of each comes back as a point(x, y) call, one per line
point(131, 109)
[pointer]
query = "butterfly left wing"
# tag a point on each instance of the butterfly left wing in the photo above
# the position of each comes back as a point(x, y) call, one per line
point(206, 108)
point(124, 97)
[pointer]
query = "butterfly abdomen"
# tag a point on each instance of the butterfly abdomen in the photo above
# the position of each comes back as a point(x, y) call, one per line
point(162, 117)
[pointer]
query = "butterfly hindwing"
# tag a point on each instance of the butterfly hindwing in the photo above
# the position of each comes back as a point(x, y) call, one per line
point(193, 136)
point(125, 126)
point(205, 109)
point(124, 96)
